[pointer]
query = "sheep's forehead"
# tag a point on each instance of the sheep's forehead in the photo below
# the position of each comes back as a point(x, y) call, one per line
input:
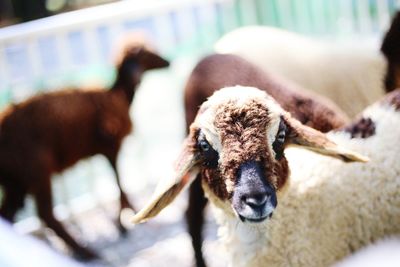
point(238, 106)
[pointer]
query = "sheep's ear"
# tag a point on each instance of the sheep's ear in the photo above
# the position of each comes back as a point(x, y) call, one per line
point(168, 190)
point(308, 138)
point(150, 60)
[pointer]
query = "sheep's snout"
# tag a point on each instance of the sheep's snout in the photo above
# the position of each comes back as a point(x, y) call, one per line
point(254, 199)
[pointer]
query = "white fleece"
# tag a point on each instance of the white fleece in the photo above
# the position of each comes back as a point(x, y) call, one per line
point(350, 75)
point(384, 253)
point(328, 208)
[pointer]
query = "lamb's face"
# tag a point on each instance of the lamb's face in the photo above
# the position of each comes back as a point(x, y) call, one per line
point(240, 142)
point(237, 144)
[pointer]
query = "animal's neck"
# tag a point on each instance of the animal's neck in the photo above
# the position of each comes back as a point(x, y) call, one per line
point(128, 77)
point(242, 241)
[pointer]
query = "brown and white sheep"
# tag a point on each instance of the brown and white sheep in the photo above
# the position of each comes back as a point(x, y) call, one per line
point(285, 206)
point(237, 142)
point(217, 71)
point(352, 77)
point(50, 132)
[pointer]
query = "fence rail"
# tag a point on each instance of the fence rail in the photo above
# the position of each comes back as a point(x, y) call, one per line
point(74, 47)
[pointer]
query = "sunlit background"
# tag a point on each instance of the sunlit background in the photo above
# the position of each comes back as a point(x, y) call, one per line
point(48, 45)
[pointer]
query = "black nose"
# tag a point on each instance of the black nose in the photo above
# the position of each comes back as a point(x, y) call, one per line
point(254, 195)
point(255, 201)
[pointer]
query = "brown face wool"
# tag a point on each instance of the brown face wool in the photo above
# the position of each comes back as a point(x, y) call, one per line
point(243, 134)
point(215, 181)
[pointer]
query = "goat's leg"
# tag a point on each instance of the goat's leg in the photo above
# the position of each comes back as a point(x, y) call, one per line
point(124, 202)
point(123, 198)
point(43, 198)
point(13, 200)
point(195, 219)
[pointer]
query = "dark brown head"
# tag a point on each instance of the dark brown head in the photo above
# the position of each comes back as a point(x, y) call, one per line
point(141, 56)
point(237, 142)
point(391, 49)
point(134, 60)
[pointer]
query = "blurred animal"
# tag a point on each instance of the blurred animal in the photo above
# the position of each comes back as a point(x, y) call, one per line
point(285, 206)
point(351, 75)
point(217, 71)
point(50, 132)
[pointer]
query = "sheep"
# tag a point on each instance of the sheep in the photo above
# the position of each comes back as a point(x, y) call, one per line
point(52, 131)
point(217, 71)
point(285, 206)
point(351, 75)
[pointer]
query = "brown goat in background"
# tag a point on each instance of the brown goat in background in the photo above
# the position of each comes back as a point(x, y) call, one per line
point(50, 132)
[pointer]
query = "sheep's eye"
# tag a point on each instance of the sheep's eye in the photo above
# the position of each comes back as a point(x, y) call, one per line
point(279, 142)
point(209, 155)
point(204, 145)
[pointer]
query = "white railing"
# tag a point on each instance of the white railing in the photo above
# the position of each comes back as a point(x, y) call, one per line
point(56, 50)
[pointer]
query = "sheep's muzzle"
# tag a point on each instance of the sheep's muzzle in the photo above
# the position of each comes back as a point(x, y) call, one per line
point(254, 198)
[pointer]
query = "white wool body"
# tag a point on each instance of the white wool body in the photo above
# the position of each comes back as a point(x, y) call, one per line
point(350, 75)
point(328, 209)
point(384, 253)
